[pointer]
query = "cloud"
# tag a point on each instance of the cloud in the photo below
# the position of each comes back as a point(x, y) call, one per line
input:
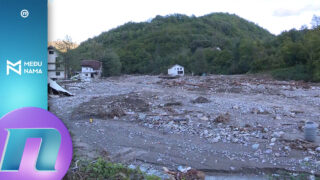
point(295, 12)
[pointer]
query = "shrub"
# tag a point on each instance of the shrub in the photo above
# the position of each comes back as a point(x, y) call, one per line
point(299, 72)
point(101, 170)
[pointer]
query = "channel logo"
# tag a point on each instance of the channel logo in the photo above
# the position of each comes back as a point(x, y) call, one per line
point(12, 66)
point(24, 13)
point(34, 145)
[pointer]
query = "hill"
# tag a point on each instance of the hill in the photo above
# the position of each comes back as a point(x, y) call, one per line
point(207, 44)
point(218, 43)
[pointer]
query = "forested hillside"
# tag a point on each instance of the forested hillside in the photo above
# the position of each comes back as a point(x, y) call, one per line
point(217, 43)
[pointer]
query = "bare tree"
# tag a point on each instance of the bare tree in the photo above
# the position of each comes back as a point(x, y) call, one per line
point(64, 46)
point(315, 22)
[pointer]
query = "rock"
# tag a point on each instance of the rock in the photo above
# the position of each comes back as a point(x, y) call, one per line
point(173, 104)
point(143, 169)
point(116, 112)
point(278, 134)
point(200, 100)
point(235, 107)
point(307, 159)
point(277, 154)
point(259, 111)
point(189, 174)
point(312, 152)
point(287, 148)
point(204, 118)
point(268, 151)
point(131, 166)
point(142, 116)
point(318, 149)
point(223, 118)
point(255, 146)
point(277, 117)
point(181, 121)
point(273, 140)
point(216, 139)
point(183, 169)
point(156, 118)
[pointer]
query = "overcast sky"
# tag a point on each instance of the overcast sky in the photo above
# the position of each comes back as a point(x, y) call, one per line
point(83, 19)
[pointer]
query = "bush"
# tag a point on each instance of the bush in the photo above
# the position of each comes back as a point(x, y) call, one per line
point(299, 72)
point(101, 170)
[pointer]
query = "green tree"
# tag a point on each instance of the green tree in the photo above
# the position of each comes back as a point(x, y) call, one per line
point(111, 63)
point(199, 64)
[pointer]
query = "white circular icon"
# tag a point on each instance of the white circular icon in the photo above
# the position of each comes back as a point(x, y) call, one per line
point(24, 13)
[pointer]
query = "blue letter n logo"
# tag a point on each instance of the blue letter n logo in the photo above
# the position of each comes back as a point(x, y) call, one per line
point(15, 144)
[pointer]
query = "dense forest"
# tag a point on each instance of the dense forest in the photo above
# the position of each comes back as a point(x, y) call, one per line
point(218, 43)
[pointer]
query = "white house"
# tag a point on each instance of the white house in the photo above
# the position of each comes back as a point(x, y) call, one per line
point(176, 70)
point(55, 69)
point(91, 69)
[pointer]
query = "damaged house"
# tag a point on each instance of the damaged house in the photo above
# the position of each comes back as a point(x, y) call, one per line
point(91, 69)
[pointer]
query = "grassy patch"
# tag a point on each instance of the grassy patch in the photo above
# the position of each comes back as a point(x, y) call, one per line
point(101, 170)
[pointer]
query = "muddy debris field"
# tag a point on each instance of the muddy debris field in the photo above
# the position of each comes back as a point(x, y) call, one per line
point(216, 124)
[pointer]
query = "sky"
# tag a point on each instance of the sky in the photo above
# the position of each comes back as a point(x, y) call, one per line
point(83, 19)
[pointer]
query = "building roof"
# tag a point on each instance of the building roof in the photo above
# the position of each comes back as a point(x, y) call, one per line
point(94, 64)
point(50, 47)
point(175, 65)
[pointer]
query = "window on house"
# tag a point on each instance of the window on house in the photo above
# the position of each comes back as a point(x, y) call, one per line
point(51, 52)
point(57, 73)
point(87, 75)
point(57, 65)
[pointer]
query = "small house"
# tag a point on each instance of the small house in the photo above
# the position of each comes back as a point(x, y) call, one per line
point(91, 69)
point(176, 70)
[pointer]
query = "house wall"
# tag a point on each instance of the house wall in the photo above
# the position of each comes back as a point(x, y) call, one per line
point(174, 71)
point(52, 57)
point(86, 69)
point(53, 75)
point(52, 69)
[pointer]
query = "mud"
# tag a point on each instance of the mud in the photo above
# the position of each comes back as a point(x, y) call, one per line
point(249, 125)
